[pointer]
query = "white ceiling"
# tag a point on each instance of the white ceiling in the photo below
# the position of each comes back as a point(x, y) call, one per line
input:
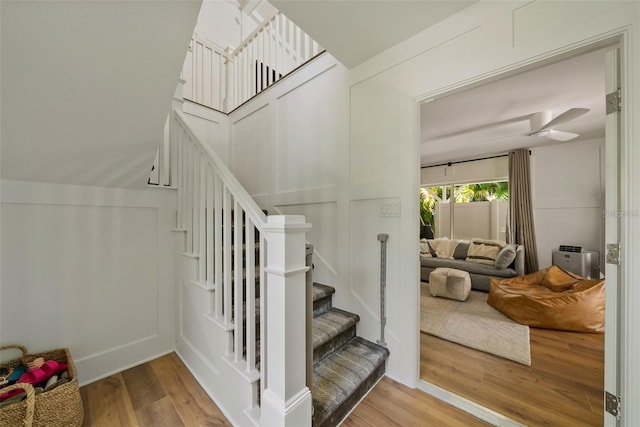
point(493, 118)
point(87, 86)
point(354, 32)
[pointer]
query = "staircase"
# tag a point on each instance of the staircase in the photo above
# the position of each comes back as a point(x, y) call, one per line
point(345, 366)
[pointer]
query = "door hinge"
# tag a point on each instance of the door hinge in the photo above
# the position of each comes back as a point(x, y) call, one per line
point(612, 404)
point(614, 101)
point(613, 253)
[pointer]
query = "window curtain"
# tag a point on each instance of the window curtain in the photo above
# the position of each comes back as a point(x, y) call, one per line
point(521, 227)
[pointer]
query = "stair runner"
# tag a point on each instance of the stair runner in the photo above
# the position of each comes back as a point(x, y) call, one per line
point(345, 366)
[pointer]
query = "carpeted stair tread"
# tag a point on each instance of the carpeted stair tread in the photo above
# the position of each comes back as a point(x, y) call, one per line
point(343, 378)
point(330, 324)
point(322, 291)
point(322, 298)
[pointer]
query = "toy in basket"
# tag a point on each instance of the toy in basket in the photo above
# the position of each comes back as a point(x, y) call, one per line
point(46, 393)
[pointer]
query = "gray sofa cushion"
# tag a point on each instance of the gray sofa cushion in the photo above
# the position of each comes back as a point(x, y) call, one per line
point(470, 267)
point(505, 256)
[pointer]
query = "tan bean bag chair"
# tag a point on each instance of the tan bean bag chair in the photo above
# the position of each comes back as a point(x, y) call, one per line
point(552, 299)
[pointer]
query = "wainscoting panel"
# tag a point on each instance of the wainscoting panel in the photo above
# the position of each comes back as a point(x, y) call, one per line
point(367, 221)
point(210, 126)
point(88, 269)
point(568, 197)
point(323, 236)
point(558, 17)
point(252, 151)
point(308, 134)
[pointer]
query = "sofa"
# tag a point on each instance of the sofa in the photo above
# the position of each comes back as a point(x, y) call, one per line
point(500, 263)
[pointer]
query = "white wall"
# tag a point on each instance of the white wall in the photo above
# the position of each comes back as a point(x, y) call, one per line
point(86, 87)
point(289, 150)
point(485, 40)
point(568, 197)
point(90, 269)
point(211, 127)
point(219, 22)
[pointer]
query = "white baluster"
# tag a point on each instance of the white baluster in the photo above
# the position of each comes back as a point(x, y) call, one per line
point(195, 173)
point(180, 180)
point(218, 251)
point(210, 195)
point(237, 270)
point(250, 269)
point(202, 228)
point(190, 201)
point(226, 248)
point(262, 254)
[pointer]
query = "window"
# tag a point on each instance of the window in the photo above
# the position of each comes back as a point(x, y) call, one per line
point(475, 210)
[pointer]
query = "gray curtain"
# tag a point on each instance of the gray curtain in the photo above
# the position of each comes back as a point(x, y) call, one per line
point(521, 227)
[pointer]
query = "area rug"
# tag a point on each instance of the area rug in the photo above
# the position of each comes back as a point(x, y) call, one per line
point(474, 323)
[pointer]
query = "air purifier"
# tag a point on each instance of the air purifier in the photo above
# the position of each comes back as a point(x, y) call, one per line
point(577, 260)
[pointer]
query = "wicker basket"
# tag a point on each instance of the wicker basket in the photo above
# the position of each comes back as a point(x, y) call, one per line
point(61, 406)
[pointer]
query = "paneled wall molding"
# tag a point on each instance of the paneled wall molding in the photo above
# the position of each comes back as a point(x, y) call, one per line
point(568, 203)
point(306, 196)
point(85, 253)
point(77, 195)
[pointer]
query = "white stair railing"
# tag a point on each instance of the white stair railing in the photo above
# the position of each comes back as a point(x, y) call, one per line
point(204, 72)
point(223, 225)
point(271, 51)
point(224, 79)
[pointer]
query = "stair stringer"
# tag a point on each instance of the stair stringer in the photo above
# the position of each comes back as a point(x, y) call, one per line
point(202, 345)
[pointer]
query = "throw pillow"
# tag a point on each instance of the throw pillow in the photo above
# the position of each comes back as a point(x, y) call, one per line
point(505, 257)
point(461, 251)
point(425, 249)
point(484, 251)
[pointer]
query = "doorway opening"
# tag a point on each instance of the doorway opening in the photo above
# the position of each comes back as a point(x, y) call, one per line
point(565, 380)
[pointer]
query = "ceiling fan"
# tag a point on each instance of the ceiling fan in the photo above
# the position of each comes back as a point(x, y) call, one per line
point(543, 125)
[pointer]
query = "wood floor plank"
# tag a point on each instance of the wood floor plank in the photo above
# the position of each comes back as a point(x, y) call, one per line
point(143, 386)
point(159, 413)
point(192, 404)
point(392, 404)
point(108, 403)
point(562, 387)
point(84, 395)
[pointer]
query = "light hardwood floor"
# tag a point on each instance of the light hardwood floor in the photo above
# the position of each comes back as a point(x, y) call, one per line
point(562, 387)
point(164, 393)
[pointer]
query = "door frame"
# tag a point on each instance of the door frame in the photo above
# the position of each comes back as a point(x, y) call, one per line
point(617, 362)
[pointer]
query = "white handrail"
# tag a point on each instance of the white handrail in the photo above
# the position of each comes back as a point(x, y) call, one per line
point(223, 79)
point(245, 200)
point(257, 30)
point(224, 229)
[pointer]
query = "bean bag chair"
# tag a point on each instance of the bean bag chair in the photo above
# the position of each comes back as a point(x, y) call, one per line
point(551, 298)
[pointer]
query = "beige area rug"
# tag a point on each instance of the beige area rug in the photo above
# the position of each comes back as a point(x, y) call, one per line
point(474, 323)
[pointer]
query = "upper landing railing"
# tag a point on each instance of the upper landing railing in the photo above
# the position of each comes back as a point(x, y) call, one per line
point(223, 79)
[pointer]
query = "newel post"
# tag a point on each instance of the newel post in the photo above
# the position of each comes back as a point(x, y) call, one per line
point(176, 104)
point(286, 399)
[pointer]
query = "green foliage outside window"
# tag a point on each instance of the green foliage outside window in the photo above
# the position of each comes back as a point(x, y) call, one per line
point(464, 193)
